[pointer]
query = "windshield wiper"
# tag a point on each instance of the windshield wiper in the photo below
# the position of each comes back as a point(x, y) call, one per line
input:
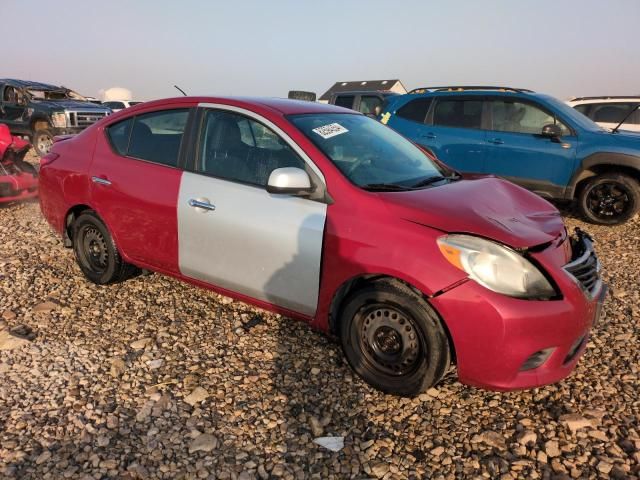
point(436, 178)
point(615, 130)
point(389, 187)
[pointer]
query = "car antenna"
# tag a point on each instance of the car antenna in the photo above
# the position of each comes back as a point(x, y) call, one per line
point(181, 91)
point(615, 130)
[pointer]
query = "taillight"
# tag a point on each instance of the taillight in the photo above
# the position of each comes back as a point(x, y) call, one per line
point(48, 158)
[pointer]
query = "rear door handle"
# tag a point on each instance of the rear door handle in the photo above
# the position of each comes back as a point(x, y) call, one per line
point(100, 180)
point(201, 204)
point(430, 136)
point(496, 141)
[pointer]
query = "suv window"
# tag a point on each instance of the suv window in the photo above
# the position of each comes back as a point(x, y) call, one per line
point(519, 117)
point(345, 101)
point(114, 104)
point(157, 136)
point(612, 112)
point(583, 109)
point(118, 134)
point(370, 105)
point(416, 110)
point(458, 113)
point(240, 149)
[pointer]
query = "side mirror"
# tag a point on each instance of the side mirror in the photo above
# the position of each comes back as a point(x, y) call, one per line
point(551, 131)
point(291, 180)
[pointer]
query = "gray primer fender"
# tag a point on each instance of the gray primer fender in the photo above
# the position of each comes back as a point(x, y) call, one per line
point(597, 160)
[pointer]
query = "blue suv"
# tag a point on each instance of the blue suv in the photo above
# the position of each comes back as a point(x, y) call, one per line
point(532, 139)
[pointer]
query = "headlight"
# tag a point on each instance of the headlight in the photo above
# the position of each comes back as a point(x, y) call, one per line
point(59, 119)
point(495, 266)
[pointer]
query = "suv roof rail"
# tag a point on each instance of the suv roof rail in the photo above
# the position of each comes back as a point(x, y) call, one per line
point(460, 88)
point(605, 97)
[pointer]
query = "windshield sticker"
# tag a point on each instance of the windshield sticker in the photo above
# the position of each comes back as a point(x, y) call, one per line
point(331, 130)
point(385, 118)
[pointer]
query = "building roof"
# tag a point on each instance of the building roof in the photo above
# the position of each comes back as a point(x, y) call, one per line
point(360, 85)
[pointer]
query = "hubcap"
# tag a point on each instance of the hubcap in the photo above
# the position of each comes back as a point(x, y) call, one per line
point(44, 143)
point(609, 200)
point(389, 339)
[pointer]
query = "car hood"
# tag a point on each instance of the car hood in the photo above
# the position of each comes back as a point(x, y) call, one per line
point(489, 207)
point(70, 104)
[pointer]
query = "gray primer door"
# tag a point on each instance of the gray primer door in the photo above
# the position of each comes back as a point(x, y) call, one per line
point(255, 243)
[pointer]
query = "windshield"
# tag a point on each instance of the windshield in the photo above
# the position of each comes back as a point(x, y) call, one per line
point(365, 151)
point(572, 114)
point(40, 94)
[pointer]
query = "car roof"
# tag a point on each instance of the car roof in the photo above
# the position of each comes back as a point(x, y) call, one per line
point(29, 84)
point(609, 99)
point(283, 106)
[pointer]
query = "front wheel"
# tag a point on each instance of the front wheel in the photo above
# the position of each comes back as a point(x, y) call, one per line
point(609, 199)
point(96, 252)
point(42, 141)
point(393, 339)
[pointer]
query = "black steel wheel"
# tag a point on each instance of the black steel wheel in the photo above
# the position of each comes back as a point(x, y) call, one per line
point(609, 199)
point(96, 252)
point(393, 339)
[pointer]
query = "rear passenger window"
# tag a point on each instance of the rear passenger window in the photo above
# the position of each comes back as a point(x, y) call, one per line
point(611, 112)
point(416, 110)
point(345, 101)
point(118, 134)
point(157, 136)
point(458, 113)
point(237, 148)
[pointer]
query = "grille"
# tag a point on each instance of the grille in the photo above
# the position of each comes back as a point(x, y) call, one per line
point(84, 119)
point(585, 267)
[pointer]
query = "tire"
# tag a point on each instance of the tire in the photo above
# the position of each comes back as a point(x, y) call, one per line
point(96, 252)
point(609, 199)
point(393, 339)
point(42, 141)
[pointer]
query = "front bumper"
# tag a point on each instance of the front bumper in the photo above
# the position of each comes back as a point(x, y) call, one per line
point(18, 187)
point(494, 335)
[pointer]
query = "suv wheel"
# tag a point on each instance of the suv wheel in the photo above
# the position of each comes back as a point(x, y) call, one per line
point(609, 199)
point(42, 141)
point(393, 339)
point(96, 252)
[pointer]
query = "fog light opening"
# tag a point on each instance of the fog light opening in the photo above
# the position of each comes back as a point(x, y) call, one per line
point(575, 348)
point(537, 359)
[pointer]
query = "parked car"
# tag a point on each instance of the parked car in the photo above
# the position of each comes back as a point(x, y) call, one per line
point(18, 179)
point(117, 105)
point(325, 215)
point(529, 138)
point(609, 112)
point(368, 102)
point(41, 111)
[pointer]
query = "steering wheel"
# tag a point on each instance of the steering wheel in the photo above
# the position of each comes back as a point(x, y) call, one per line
point(357, 164)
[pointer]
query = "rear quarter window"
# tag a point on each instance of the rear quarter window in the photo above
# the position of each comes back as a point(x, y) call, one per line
point(118, 135)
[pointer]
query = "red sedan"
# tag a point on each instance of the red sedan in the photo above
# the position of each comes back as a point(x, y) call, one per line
point(325, 215)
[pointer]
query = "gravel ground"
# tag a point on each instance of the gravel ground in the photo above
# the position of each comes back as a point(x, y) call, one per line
point(156, 379)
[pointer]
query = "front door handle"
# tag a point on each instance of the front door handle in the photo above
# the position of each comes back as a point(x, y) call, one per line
point(496, 141)
point(430, 136)
point(201, 204)
point(100, 180)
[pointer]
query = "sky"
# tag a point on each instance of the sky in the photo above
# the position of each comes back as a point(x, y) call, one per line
point(259, 47)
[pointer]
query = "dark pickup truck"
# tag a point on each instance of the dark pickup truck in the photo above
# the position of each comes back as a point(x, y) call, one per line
point(41, 111)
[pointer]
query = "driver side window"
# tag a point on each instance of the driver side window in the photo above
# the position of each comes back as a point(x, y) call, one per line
point(518, 117)
point(237, 148)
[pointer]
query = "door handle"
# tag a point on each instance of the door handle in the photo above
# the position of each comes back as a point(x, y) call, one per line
point(100, 180)
point(202, 204)
point(496, 141)
point(430, 136)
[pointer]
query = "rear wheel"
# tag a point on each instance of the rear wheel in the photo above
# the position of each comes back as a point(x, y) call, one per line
point(393, 339)
point(96, 252)
point(609, 199)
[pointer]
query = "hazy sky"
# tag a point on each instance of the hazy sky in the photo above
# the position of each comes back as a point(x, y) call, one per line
point(267, 47)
